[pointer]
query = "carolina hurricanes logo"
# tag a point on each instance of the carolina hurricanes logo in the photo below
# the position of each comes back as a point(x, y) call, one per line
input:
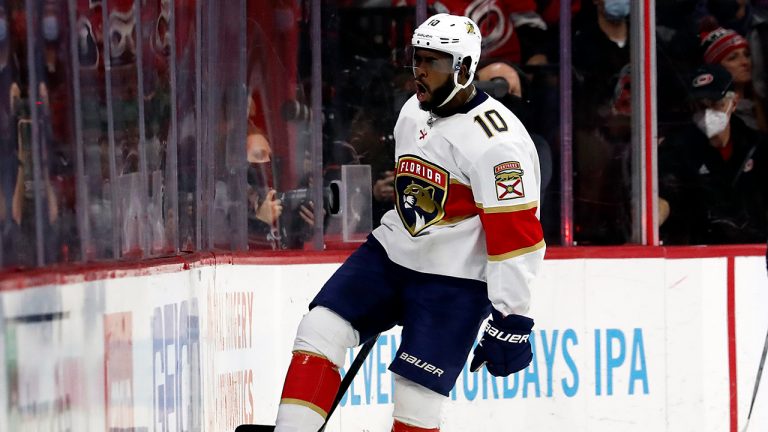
point(87, 49)
point(421, 189)
point(749, 165)
point(122, 42)
point(703, 79)
point(161, 36)
point(496, 27)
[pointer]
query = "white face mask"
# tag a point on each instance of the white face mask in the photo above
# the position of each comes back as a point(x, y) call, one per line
point(616, 10)
point(711, 121)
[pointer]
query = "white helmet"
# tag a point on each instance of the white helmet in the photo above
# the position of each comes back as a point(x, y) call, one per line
point(456, 35)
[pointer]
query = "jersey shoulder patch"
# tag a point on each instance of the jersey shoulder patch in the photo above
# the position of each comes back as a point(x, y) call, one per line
point(509, 180)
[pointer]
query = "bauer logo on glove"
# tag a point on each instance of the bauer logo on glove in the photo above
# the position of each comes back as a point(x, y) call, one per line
point(505, 347)
point(504, 336)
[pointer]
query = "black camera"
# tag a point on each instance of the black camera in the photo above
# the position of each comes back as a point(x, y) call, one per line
point(496, 87)
point(292, 200)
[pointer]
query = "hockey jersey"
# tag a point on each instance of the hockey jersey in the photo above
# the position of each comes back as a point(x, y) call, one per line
point(467, 199)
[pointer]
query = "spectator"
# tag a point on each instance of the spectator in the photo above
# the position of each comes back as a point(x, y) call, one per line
point(678, 25)
point(285, 219)
point(730, 50)
point(549, 45)
point(712, 174)
point(735, 15)
point(600, 52)
point(601, 134)
point(264, 208)
point(758, 40)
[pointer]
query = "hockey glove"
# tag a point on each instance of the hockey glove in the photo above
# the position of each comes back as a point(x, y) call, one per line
point(505, 347)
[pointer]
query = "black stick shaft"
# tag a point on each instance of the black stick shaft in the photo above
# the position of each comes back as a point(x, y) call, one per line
point(350, 375)
point(759, 376)
point(345, 383)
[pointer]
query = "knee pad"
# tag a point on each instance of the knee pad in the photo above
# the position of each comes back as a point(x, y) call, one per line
point(324, 332)
point(416, 405)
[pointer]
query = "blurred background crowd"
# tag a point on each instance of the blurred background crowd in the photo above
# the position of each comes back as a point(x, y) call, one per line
point(132, 129)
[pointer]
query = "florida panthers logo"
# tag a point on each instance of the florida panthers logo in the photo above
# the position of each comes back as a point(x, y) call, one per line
point(421, 189)
point(422, 201)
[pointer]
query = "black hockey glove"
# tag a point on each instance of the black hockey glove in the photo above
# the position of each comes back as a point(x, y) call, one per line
point(505, 347)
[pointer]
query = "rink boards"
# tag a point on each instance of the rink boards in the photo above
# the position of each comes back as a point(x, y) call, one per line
point(633, 344)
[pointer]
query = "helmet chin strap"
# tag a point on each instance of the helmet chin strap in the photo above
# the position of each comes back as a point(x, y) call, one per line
point(458, 87)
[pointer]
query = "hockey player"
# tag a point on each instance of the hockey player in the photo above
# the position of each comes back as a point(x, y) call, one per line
point(464, 241)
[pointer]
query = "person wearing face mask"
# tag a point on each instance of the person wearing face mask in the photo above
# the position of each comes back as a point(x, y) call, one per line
point(600, 50)
point(732, 51)
point(600, 54)
point(713, 180)
point(750, 20)
point(264, 208)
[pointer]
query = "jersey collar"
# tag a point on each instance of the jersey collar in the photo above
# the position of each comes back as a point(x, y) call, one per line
point(479, 98)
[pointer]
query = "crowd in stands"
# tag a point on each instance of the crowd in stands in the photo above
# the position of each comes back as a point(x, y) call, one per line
point(126, 133)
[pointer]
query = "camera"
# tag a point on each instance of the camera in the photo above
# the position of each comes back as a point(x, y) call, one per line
point(296, 111)
point(496, 87)
point(292, 200)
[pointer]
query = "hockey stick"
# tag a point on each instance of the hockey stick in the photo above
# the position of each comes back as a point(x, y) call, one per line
point(348, 377)
point(757, 382)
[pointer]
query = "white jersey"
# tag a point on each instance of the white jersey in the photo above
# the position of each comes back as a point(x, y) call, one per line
point(467, 199)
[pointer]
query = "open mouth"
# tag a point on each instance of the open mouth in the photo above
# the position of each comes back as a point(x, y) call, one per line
point(421, 91)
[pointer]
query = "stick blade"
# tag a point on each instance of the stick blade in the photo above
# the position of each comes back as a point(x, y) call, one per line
point(254, 428)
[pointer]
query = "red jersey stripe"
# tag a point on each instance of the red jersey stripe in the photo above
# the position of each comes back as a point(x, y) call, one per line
point(460, 203)
point(513, 231)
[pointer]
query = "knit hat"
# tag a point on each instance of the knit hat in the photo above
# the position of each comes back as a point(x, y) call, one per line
point(720, 42)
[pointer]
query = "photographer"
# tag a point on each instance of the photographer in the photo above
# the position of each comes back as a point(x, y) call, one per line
point(264, 209)
point(712, 174)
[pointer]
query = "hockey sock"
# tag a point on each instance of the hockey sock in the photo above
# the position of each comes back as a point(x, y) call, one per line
point(416, 406)
point(403, 427)
point(310, 388)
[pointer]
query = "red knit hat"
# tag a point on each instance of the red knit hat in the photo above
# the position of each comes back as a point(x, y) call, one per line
point(720, 42)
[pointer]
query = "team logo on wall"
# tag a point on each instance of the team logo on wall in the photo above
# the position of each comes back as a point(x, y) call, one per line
point(122, 40)
point(509, 180)
point(421, 189)
point(87, 47)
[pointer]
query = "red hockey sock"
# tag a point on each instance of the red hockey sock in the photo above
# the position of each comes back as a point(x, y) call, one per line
point(312, 381)
point(402, 427)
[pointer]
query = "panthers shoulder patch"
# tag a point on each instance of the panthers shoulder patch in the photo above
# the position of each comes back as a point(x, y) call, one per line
point(421, 189)
point(509, 180)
